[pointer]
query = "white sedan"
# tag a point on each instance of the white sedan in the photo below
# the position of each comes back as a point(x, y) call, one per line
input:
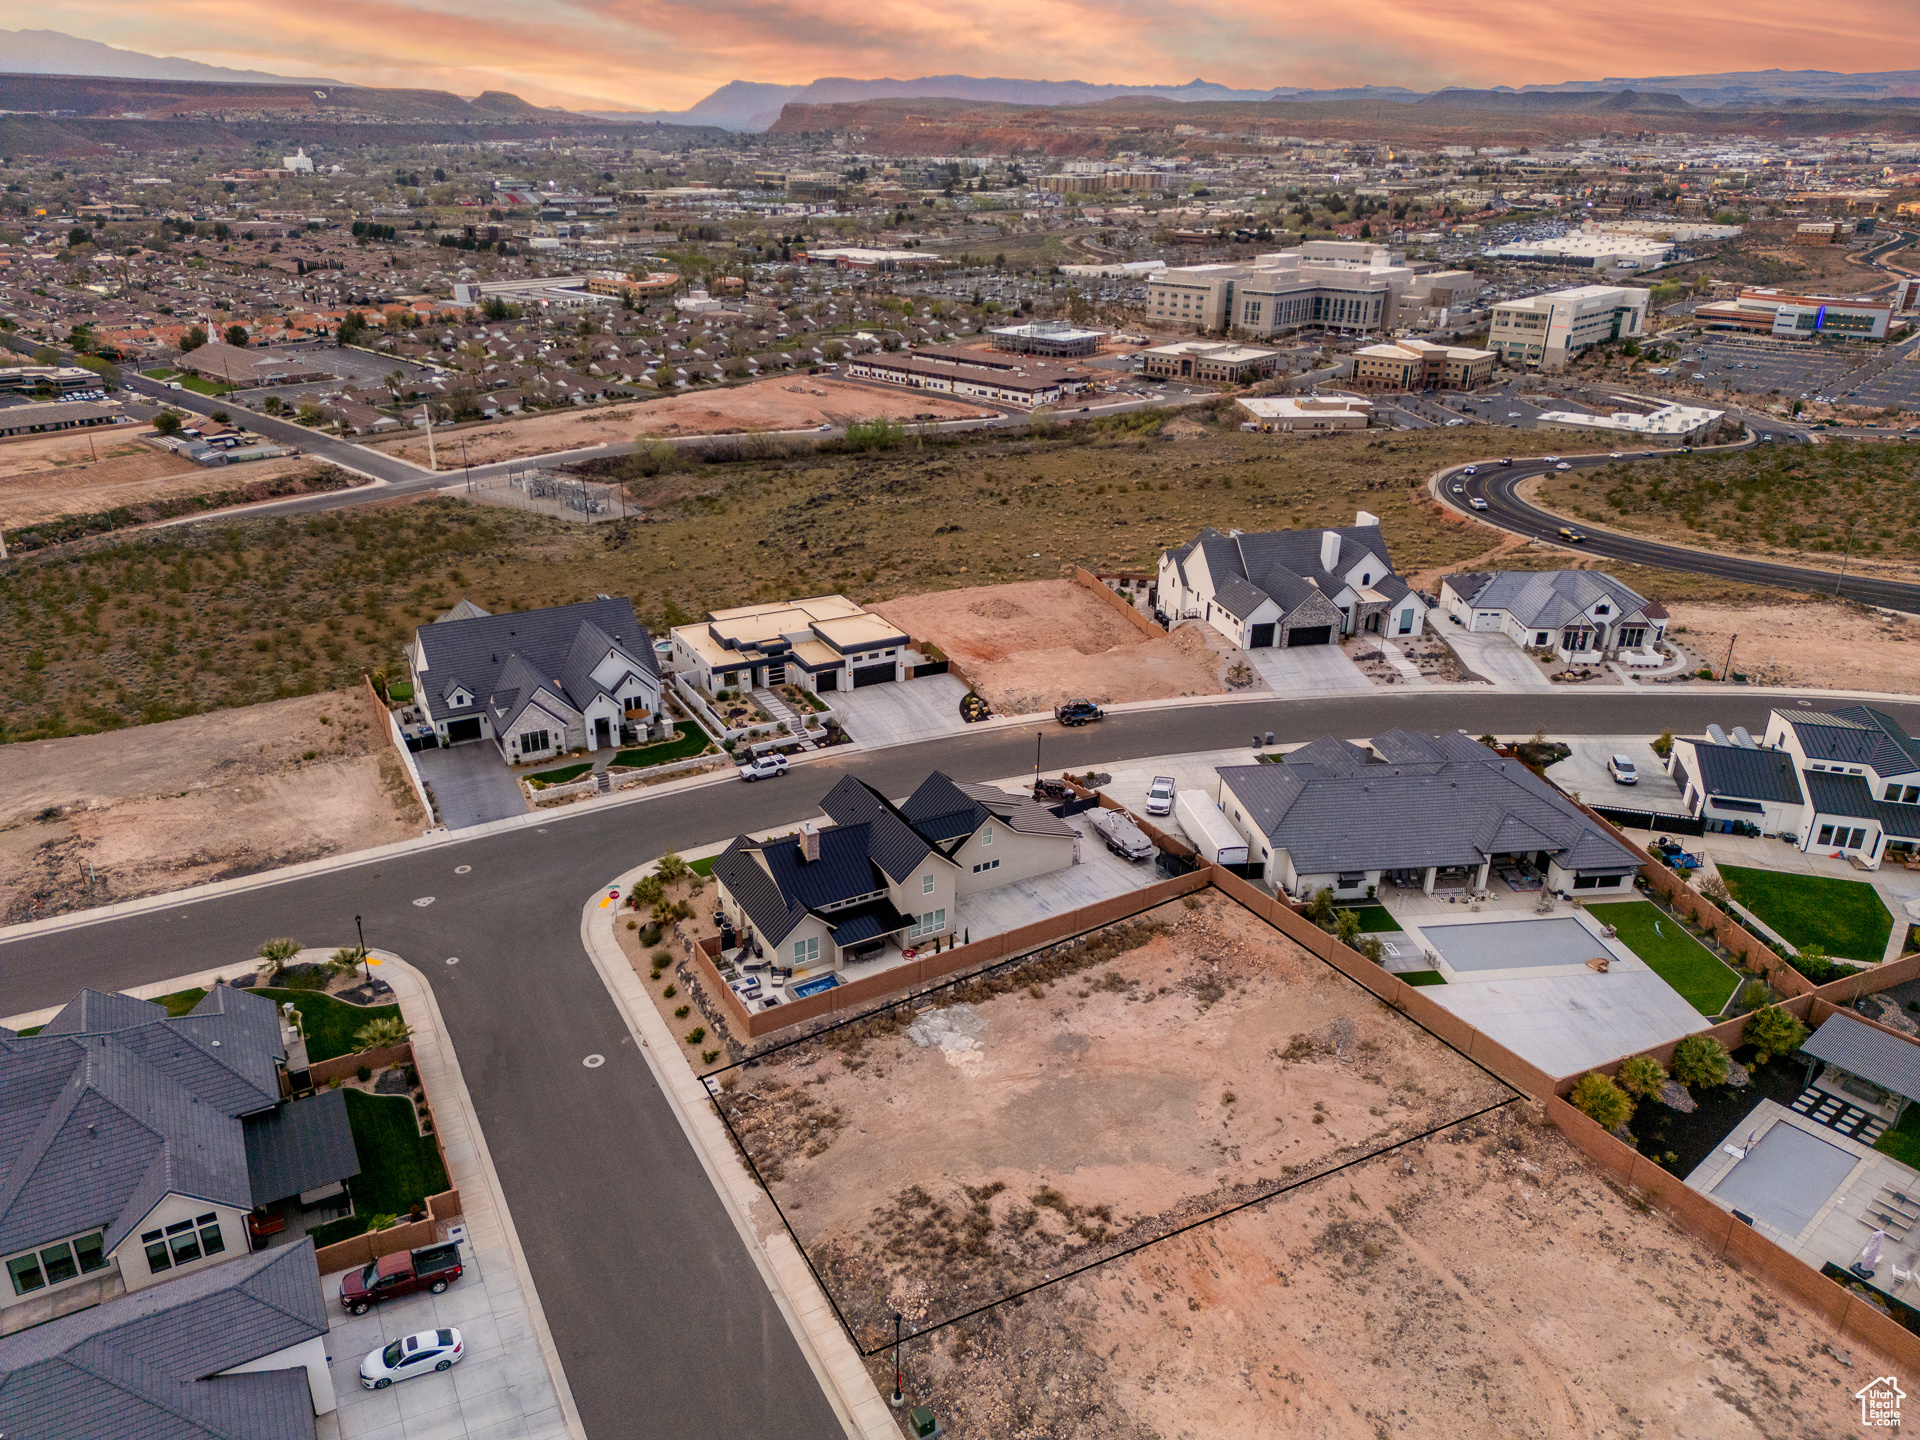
point(420, 1354)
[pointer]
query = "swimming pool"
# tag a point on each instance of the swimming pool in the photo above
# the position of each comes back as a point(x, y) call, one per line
point(1785, 1179)
point(1513, 944)
point(815, 987)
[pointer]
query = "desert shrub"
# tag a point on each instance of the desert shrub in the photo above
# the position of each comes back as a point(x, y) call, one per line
point(696, 1035)
point(363, 1074)
point(1772, 1032)
point(378, 1034)
point(1370, 946)
point(661, 959)
point(1714, 889)
point(1602, 1101)
point(1812, 962)
point(647, 891)
point(1700, 1060)
point(1642, 1075)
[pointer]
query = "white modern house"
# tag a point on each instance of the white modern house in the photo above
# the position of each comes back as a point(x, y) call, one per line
point(1582, 616)
point(821, 644)
point(1282, 588)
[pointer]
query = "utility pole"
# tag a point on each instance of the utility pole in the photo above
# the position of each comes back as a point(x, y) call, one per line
point(1844, 560)
point(1727, 669)
point(1036, 762)
point(426, 412)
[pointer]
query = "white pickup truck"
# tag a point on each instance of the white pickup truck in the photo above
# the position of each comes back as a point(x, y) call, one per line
point(1160, 795)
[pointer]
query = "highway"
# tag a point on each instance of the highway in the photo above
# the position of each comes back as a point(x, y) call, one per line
point(1497, 483)
point(662, 1321)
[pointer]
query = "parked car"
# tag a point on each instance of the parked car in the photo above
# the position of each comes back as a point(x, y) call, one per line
point(764, 767)
point(1160, 795)
point(420, 1354)
point(1078, 712)
point(432, 1268)
point(1621, 768)
point(1571, 535)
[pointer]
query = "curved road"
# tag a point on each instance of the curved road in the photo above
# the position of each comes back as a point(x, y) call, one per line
point(1497, 483)
point(661, 1318)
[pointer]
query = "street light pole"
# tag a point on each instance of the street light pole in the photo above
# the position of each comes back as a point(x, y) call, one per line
point(363, 949)
point(899, 1396)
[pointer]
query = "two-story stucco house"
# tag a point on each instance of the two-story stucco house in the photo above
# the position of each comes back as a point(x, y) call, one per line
point(1582, 616)
point(538, 682)
point(882, 876)
point(134, 1145)
point(1282, 588)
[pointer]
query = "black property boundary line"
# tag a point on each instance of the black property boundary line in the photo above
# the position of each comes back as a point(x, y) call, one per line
point(1514, 1093)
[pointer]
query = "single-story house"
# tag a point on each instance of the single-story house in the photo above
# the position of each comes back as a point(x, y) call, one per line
point(883, 875)
point(1583, 616)
point(1289, 587)
point(233, 1353)
point(1839, 782)
point(538, 682)
point(820, 644)
point(55, 415)
point(134, 1144)
point(1436, 812)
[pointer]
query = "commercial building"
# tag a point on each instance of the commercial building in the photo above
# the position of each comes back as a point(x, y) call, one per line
point(60, 379)
point(820, 644)
point(971, 374)
point(1333, 284)
point(1314, 413)
point(1677, 424)
point(858, 257)
point(1213, 362)
point(1588, 249)
point(1545, 332)
point(1046, 337)
point(60, 415)
point(1120, 270)
point(245, 368)
point(642, 287)
point(1405, 366)
point(1765, 311)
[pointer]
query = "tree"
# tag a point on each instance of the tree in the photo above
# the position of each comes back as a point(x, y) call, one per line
point(1320, 907)
point(221, 417)
point(277, 953)
point(1714, 889)
point(672, 867)
point(1700, 1060)
point(1602, 1101)
point(379, 1034)
point(193, 339)
point(79, 235)
point(236, 336)
point(352, 328)
point(167, 422)
point(1773, 1031)
point(1346, 926)
point(345, 960)
point(1643, 1075)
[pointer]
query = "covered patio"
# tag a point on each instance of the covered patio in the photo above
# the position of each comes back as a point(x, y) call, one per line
point(1863, 1066)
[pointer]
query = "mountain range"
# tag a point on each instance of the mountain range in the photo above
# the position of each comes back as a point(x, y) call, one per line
point(48, 52)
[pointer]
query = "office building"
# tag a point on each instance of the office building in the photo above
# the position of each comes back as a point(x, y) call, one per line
point(1405, 366)
point(1544, 332)
point(1046, 337)
point(1339, 285)
point(1763, 311)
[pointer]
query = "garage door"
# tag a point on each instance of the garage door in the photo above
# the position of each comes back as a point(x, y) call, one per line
point(1312, 635)
point(1261, 638)
point(873, 675)
point(458, 730)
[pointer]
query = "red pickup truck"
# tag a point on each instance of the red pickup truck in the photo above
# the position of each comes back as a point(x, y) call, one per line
point(432, 1267)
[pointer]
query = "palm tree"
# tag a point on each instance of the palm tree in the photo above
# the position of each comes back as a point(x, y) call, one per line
point(277, 953)
point(379, 1034)
point(345, 960)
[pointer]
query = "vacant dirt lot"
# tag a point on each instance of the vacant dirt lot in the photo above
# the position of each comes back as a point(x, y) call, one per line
point(1478, 1281)
point(82, 472)
point(784, 402)
point(1829, 646)
point(98, 818)
point(1028, 646)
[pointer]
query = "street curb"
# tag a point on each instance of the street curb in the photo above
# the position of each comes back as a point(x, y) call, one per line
point(816, 1328)
point(469, 1162)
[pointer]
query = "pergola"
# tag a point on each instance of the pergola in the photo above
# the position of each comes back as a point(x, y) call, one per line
point(1867, 1053)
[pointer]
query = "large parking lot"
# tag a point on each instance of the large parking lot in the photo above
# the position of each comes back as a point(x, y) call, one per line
point(501, 1390)
point(1760, 368)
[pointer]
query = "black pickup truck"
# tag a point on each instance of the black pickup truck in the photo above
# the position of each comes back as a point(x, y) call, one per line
point(1078, 712)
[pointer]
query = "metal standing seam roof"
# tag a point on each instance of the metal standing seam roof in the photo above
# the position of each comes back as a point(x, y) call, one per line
point(1740, 773)
point(1860, 1049)
point(303, 1145)
point(1852, 797)
point(1859, 735)
point(148, 1366)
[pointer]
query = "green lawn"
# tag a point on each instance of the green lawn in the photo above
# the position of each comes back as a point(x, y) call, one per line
point(1843, 917)
point(1421, 977)
point(703, 867)
point(1374, 919)
point(688, 740)
point(162, 373)
point(398, 1165)
point(1902, 1142)
point(1703, 981)
point(330, 1023)
point(542, 779)
point(204, 387)
point(181, 1002)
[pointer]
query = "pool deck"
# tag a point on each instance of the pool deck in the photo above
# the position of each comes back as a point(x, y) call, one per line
point(1840, 1227)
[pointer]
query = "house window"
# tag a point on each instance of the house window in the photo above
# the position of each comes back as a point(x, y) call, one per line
point(1893, 792)
point(1826, 835)
point(56, 1264)
point(986, 865)
point(986, 836)
point(1406, 621)
point(1857, 839)
point(805, 952)
point(1540, 638)
point(926, 883)
point(1603, 609)
point(1633, 639)
point(534, 740)
point(931, 923)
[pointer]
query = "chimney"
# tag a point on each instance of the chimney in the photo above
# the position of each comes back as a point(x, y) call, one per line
point(809, 842)
point(1329, 549)
point(1362, 517)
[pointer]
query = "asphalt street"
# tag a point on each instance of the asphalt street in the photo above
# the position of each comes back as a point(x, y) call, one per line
point(1497, 485)
point(662, 1320)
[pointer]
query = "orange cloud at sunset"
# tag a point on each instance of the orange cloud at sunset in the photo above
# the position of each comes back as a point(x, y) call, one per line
point(666, 54)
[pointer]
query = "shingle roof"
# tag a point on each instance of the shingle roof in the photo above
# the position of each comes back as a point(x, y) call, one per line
point(134, 1368)
point(1861, 1049)
point(1741, 773)
point(303, 1145)
point(1545, 598)
point(1282, 564)
point(477, 652)
point(1452, 802)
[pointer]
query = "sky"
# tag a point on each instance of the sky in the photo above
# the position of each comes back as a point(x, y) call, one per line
point(667, 54)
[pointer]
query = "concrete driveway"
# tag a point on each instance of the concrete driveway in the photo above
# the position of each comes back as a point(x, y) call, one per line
point(921, 709)
point(1585, 773)
point(1303, 671)
point(471, 784)
point(1494, 656)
